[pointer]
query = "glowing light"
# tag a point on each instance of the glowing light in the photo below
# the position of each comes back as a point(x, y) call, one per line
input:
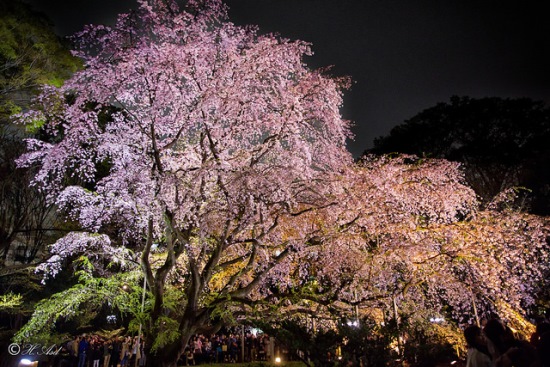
point(26, 362)
point(111, 319)
point(277, 359)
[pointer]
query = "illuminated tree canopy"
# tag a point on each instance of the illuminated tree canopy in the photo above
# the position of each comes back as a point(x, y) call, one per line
point(415, 232)
point(192, 137)
point(211, 160)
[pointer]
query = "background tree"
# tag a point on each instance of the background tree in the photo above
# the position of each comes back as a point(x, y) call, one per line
point(30, 55)
point(501, 142)
point(27, 222)
point(218, 136)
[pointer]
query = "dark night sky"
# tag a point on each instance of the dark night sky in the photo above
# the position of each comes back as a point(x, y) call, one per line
point(403, 55)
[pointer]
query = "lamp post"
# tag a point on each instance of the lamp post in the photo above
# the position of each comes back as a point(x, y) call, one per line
point(356, 309)
point(140, 324)
point(242, 343)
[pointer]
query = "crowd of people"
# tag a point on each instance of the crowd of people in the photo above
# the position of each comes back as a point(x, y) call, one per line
point(228, 349)
point(494, 345)
point(94, 351)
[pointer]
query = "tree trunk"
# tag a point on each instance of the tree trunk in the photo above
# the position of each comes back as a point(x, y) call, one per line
point(169, 355)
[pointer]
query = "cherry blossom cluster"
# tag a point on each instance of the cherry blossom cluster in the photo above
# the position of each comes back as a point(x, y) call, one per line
point(95, 246)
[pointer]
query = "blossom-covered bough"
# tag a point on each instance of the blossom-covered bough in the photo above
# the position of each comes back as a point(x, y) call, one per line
point(184, 143)
point(409, 240)
point(414, 237)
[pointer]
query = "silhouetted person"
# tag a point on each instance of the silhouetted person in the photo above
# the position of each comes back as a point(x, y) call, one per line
point(115, 353)
point(543, 349)
point(505, 350)
point(478, 354)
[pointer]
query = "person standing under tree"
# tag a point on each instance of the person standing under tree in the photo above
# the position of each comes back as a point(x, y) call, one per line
point(478, 353)
point(95, 352)
point(115, 352)
point(107, 348)
point(83, 347)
